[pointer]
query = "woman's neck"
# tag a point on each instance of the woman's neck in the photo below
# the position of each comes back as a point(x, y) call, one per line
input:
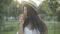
point(29, 26)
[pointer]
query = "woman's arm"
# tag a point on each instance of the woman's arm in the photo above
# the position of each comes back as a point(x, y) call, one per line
point(20, 30)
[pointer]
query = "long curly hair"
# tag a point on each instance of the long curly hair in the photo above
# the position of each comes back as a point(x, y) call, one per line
point(34, 19)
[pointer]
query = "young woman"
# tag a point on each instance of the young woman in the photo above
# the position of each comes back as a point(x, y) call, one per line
point(30, 23)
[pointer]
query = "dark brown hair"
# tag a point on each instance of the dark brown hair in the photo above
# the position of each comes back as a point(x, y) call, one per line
point(34, 19)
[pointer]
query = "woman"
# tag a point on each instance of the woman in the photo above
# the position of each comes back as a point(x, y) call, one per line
point(30, 23)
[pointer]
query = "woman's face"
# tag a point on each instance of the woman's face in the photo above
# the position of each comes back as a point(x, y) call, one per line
point(25, 9)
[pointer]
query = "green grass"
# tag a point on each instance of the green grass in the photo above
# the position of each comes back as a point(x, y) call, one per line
point(15, 24)
point(54, 31)
point(53, 24)
point(10, 32)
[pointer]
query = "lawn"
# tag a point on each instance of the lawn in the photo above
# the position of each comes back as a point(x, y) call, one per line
point(15, 24)
point(12, 23)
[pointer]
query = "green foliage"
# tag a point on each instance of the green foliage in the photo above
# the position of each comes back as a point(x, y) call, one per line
point(58, 16)
point(55, 7)
point(11, 27)
point(13, 10)
point(8, 28)
point(45, 8)
point(3, 3)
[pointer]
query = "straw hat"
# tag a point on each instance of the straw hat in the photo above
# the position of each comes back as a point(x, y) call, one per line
point(31, 3)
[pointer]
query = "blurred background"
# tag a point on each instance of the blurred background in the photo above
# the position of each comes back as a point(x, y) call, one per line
point(48, 10)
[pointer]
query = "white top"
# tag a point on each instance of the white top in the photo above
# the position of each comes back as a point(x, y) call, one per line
point(28, 31)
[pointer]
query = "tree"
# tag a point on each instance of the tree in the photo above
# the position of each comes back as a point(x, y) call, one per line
point(55, 7)
point(45, 8)
point(3, 3)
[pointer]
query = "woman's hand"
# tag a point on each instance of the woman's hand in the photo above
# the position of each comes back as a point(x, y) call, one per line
point(21, 22)
point(21, 19)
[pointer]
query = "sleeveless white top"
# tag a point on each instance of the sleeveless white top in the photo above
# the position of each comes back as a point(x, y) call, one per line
point(28, 31)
